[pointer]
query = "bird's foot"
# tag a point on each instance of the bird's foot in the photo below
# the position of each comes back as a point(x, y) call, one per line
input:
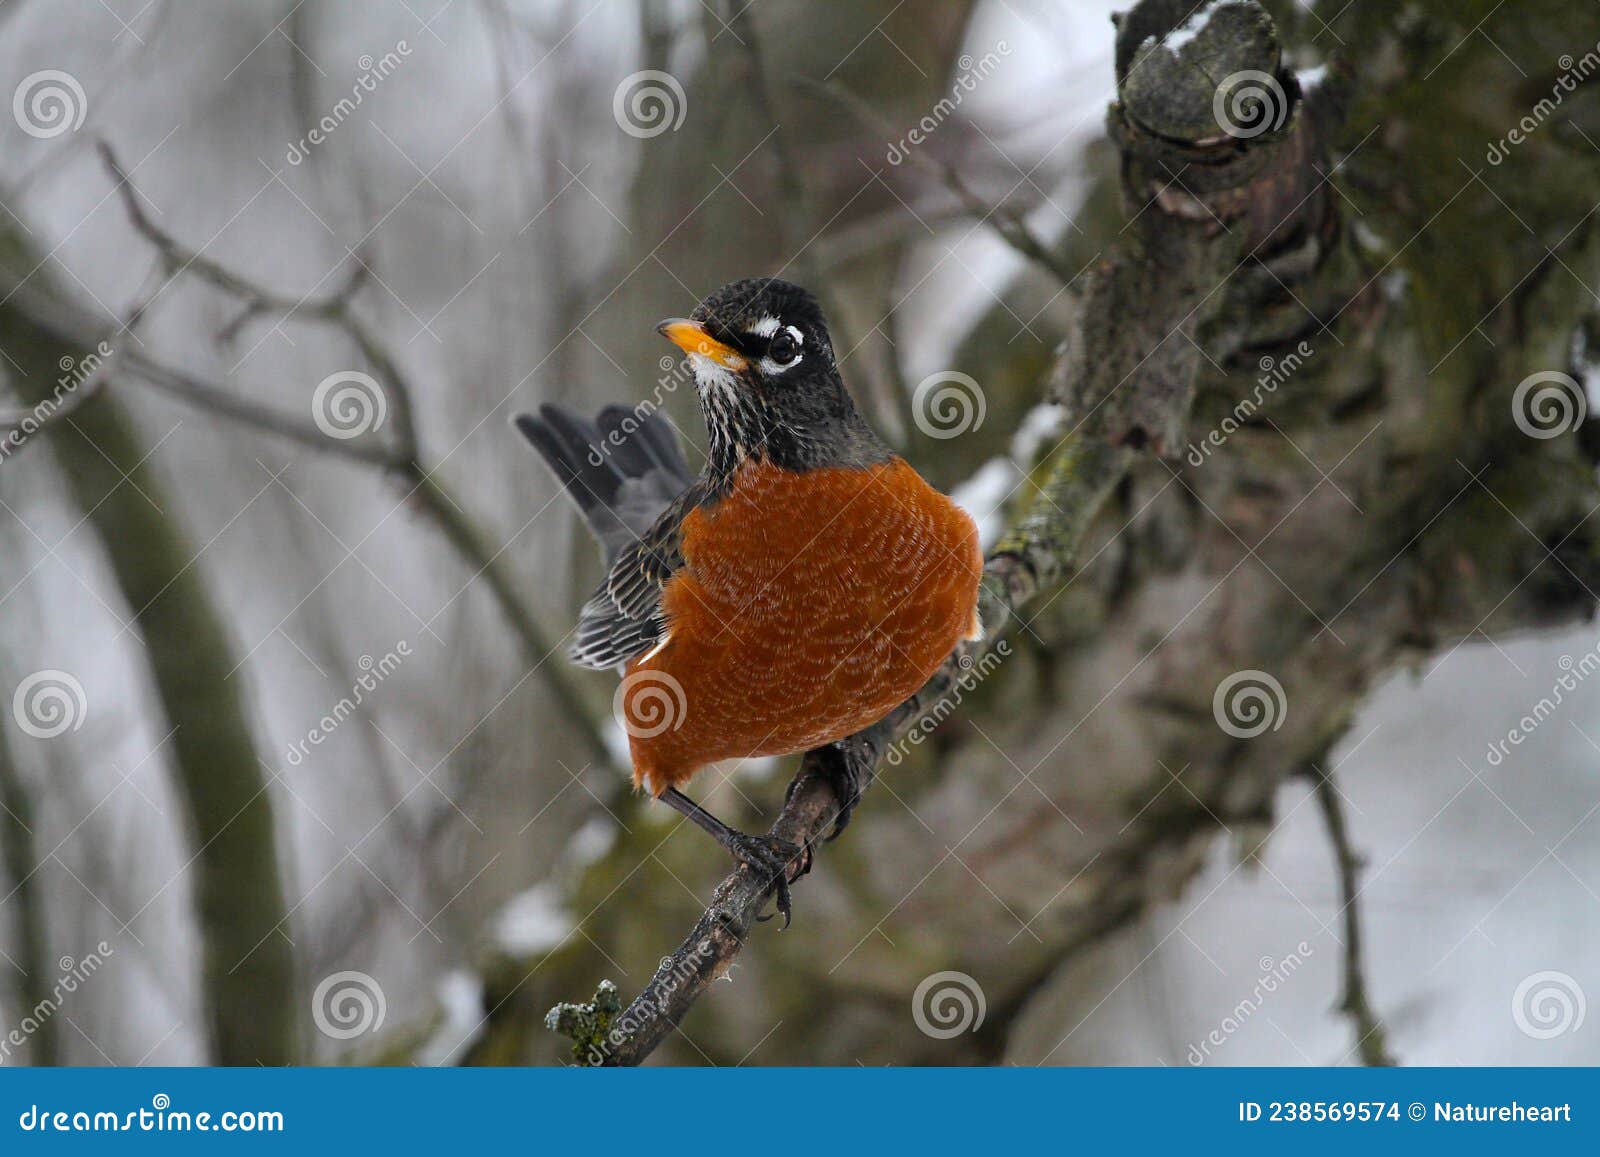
point(774, 860)
point(843, 767)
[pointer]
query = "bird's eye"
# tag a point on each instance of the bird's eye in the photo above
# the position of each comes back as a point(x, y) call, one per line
point(784, 349)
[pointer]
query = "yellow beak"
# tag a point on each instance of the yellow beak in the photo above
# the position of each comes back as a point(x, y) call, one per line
point(692, 338)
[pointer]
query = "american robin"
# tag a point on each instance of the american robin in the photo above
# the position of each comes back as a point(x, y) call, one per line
point(798, 590)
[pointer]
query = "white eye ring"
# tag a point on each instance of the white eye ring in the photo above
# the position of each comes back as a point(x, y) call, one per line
point(770, 365)
point(785, 348)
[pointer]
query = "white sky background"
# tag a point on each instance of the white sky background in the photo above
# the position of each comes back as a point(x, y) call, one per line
point(1479, 876)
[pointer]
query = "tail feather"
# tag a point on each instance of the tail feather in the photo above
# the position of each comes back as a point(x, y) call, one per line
point(622, 470)
point(559, 457)
point(631, 455)
point(654, 433)
point(597, 476)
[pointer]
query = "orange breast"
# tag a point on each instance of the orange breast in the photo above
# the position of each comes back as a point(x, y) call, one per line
point(811, 605)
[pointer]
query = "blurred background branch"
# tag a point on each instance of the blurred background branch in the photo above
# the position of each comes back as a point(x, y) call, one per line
point(240, 912)
point(1353, 1001)
point(30, 935)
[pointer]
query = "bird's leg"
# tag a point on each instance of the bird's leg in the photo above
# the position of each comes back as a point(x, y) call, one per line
point(771, 858)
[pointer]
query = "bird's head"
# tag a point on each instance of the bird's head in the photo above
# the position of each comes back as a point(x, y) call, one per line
point(764, 368)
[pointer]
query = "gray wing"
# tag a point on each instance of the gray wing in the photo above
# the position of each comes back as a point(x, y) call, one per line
point(624, 619)
point(633, 487)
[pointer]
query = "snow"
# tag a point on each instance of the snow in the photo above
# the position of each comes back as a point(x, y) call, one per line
point(984, 494)
point(1190, 28)
point(1038, 428)
point(590, 842)
point(616, 741)
point(460, 994)
point(1311, 78)
point(534, 921)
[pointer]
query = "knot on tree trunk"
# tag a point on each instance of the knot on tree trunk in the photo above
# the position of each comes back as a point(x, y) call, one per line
point(1219, 171)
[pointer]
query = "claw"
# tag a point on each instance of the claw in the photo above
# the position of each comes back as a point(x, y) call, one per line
point(843, 770)
point(779, 862)
point(774, 860)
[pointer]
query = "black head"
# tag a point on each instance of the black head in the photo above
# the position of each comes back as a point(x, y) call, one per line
point(768, 383)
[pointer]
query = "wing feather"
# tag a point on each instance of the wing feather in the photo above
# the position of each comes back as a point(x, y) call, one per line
point(624, 618)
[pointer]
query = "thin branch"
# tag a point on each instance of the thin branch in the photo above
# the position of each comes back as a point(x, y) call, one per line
point(79, 330)
point(1370, 1037)
point(1007, 224)
point(887, 389)
point(225, 403)
point(336, 308)
point(796, 216)
point(178, 258)
point(17, 426)
point(460, 528)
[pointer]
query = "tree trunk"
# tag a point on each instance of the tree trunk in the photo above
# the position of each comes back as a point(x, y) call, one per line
point(31, 933)
point(247, 972)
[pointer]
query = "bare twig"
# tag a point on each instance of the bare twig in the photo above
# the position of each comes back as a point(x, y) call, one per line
point(17, 426)
point(1370, 1037)
point(887, 389)
point(795, 220)
point(178, 258)
point(81, 331)
point(426, 488)
point(1010, 227)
